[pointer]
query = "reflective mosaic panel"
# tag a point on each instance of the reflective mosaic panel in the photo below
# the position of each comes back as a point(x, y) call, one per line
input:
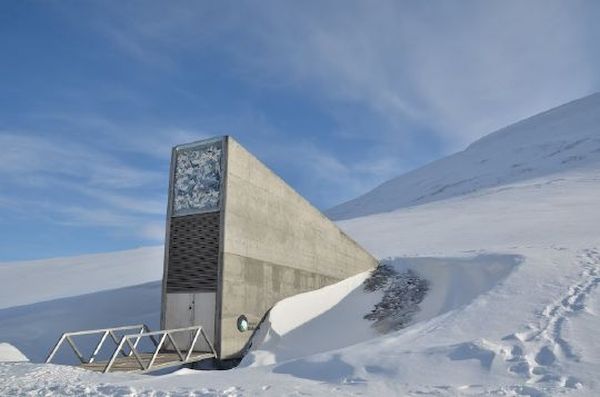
point(197, 179)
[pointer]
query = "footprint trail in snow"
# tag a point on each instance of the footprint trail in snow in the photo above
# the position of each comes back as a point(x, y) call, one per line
point(537, 352)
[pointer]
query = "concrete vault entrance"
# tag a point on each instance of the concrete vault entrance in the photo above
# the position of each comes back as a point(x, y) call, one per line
point(238, 240)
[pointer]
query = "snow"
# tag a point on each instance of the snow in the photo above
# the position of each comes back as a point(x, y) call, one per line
point(563, 138)
point(295, 326)
point(9, 353)
point(64, 277)
point(455, 282)
point(506, 233)
point(519, 324)
point(35, 328)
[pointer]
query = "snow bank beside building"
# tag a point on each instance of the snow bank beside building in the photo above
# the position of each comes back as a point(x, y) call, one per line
point(334, 317)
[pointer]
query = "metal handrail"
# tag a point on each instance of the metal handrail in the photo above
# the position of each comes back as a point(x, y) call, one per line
point(67, 336)
point(131, 341)
point(99, 330)
point(165, 334)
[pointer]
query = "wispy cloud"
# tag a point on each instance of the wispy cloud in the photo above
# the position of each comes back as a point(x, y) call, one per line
point(457, 69)
point(85, 216)
point(120, 223)
point(130, 203)
point(154, 231)
point(147, 136)
point(463, 69)
point(29, 155)
point(329, 178)
point(336, 96)
point(78, 185)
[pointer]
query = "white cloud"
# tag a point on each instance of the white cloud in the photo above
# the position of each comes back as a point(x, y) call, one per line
point(328, 178)
point(120, 223)
point(159, 143)
point(459, 69)
point(87, 216)
point(31, 158)
point(134, 203)
point(154, 231)
point(78, 185)
point(143, 136)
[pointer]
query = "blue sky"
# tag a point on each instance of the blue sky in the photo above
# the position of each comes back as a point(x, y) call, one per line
point(335, 96)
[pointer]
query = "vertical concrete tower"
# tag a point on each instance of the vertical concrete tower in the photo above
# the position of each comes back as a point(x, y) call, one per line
point(238, 240)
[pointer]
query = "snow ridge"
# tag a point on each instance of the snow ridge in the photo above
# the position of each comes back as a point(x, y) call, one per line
point(561, 139)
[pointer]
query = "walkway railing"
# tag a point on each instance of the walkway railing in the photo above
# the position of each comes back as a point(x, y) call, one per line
point(127, 346)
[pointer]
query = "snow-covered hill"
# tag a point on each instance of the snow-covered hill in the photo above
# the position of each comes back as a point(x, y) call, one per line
point(39, 300)
point(506, 233)
point(49, 279)
point(567, 137)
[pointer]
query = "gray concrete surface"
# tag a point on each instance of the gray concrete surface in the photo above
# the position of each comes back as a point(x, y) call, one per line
point(273, 244)
point(276, 244)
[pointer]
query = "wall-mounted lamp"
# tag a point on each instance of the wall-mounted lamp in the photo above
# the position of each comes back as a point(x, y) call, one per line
point(244, 324)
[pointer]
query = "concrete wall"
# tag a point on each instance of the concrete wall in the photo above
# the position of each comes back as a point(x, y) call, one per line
point(275, 244)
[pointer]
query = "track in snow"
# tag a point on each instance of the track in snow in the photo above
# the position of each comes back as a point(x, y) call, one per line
point(537, 352)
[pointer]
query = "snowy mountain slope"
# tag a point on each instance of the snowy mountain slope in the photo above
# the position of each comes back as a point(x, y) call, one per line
point(39, 300)
point(567, 137)
point(63, 277)
point(523, 323)
point(34, 328)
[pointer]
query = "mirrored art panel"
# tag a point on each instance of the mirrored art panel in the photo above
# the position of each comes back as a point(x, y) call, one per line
point(197, 183)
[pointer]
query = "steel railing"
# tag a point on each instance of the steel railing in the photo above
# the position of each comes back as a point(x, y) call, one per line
point(126, 345)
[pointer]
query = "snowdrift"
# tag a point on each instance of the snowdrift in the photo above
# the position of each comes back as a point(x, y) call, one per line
point(9, 353)
point(71, 276)
point(81, 292)
point(333, 317)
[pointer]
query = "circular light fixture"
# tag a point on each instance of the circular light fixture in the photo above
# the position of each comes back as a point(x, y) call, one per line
point(242, 323)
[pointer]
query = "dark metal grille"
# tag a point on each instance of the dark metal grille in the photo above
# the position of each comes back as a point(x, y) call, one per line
point(193, 253)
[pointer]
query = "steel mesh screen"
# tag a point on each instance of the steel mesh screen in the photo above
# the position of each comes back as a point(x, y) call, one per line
point(193, 253)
